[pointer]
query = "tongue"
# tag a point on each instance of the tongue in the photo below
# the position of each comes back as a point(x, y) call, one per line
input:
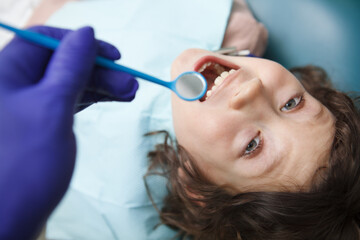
point(210, 76)
point(211, 73)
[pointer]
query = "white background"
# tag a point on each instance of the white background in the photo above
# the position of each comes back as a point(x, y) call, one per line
point(16, 13)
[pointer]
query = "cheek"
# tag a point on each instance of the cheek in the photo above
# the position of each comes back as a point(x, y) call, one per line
point(185, 120)
point(199, 131)
point(275, 75)
point(191, 130)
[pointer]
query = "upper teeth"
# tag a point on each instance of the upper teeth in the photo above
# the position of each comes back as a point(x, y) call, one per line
point(219, 80)
point(204, 66)
point(216, 66)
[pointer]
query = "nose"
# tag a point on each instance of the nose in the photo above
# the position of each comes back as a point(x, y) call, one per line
point(246, 94)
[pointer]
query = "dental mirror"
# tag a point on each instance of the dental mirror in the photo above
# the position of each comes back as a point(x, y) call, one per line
point(189, 86)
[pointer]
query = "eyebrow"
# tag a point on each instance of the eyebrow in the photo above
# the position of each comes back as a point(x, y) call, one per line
point(276, 162)
point(273, 163)
point(319, 114)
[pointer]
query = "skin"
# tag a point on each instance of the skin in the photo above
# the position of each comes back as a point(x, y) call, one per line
point(44, 10)
point(248, 107)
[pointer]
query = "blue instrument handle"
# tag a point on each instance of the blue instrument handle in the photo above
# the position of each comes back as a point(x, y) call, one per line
point(52, 43)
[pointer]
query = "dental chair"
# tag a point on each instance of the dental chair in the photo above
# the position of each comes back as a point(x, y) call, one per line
point(319, 32)
point(301, 32)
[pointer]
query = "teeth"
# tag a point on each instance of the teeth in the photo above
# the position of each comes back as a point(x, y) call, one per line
point(219, 69)
point(224, 74)
point(204, 66)
point(219, 80)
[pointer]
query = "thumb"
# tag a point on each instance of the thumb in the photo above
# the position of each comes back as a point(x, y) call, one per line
point(71, 65)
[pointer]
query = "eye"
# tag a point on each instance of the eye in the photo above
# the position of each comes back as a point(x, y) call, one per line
point(252, 146)
point(292, 103)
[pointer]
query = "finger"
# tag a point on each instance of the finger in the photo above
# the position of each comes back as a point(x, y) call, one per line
point(105, 49)
point(57, 33)
point(108, 51)
point(23, 63)
point(70, 67)
point(122, 86)
point(91, 96)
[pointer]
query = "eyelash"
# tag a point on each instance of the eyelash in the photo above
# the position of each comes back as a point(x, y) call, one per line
point(300, 103)
point(256, 150)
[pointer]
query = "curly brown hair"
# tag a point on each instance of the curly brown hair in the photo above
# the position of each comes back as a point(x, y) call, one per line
point(330, 209)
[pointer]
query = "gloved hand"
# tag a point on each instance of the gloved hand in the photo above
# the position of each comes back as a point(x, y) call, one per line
point(38, 93)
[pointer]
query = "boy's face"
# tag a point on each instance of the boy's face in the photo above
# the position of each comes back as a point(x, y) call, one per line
point(258, 129)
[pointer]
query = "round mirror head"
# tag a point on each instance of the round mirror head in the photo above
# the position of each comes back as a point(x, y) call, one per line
point(190, 86)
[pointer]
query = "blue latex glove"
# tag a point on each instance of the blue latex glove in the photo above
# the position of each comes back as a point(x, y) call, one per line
point(39, 90)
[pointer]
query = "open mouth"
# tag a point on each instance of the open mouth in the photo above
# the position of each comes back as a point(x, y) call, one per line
point(215, 71)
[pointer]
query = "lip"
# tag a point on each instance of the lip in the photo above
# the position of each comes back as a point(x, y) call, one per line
point(214, 59)
point(220, 61)
point(225, 83)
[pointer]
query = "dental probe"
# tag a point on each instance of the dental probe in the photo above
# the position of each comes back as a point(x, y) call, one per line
point(188, 86)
